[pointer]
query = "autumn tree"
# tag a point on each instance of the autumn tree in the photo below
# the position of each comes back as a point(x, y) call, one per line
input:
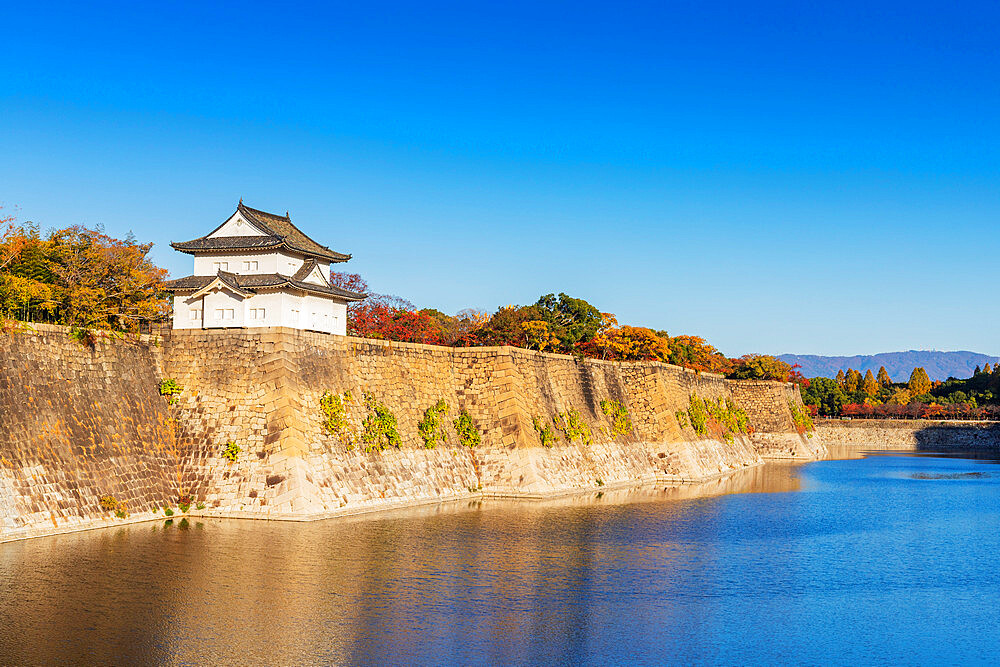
point(538, 335)
point(883, 377)
point(852, 381)
point(919, 382)
point(81, 277)
point(869, 385)
point(694, 352)
point(633, 344)
point(987, 370)
point(841, 378)
point(900, 396)
point(760, 367)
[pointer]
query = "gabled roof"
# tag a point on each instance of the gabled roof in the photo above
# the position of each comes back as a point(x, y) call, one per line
point(251, 284)
point(278, 232)
point(307, 267)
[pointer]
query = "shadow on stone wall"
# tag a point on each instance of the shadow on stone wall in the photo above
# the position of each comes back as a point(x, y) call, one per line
point(966, 437)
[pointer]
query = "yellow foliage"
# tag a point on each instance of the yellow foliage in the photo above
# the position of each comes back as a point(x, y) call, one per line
point(539, 335)
point(633, 344)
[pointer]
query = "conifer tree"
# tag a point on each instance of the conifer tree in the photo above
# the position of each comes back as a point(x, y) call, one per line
point(883, 377)
point(852, 381)
point(920, 382)
point(869, 386)
point(987, 369)
point(977, 371)
point(840, 378)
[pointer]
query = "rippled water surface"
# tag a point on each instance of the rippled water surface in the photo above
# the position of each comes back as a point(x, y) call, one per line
point(891, 558)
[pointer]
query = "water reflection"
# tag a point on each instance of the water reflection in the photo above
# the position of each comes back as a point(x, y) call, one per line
point(699, 573)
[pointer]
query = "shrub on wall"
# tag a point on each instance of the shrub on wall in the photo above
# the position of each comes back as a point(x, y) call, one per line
point(803, 422)
point(230, 451)
point(724, 413)
point(572, 426)
point(431, 427)
point(170, 389)
point(545, 432)
point(621, 423)
point(378, 430)
point(698, 415)
point(334, 415)
point(466, 429)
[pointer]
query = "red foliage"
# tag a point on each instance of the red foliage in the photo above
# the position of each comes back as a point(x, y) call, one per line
point(797, 377)
point(919, 411)
point(391, 318)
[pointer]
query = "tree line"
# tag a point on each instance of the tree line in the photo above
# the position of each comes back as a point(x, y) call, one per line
point(78, 276)
point(554, 323)
point(852, 394)
point(89, 280)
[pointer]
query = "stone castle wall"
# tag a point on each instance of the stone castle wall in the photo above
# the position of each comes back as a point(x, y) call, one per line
point(909, 434)
point(77, 424)
point(261, 390)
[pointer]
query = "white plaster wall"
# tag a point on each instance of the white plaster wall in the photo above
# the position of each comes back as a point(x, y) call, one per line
point(236, 226)
point(290, 303)
point(182, 312)
point(286, 264)
point(267, 262)
point(271, 302)
point(317, 314)
point(339, 318)
point(223, 300)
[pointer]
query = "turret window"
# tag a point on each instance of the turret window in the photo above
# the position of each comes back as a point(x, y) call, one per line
point(249, 267)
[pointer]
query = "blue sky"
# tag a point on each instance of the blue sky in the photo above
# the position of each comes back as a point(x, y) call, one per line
point(775, 177)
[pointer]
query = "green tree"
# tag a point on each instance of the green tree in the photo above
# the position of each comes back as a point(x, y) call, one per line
point(883, 377)
point(571, 320)
point(826, 394)
point(920, 382)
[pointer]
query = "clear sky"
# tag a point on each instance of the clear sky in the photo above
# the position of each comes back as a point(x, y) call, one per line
point(775, 177)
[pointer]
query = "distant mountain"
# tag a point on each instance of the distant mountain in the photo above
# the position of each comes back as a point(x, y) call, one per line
point(939, 365)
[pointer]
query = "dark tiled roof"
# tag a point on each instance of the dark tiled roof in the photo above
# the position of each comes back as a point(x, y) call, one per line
point(229, 243)
point(279, 232)
point(259, 281)
point(305, 270)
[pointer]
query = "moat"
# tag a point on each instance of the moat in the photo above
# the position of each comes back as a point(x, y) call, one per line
point(888, 558)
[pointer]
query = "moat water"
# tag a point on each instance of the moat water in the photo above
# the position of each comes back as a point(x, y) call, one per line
point(886, 559)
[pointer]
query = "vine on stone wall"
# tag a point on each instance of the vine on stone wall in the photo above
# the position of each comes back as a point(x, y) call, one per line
point(230, 451)
point(729, 417)
point(431, 427)
point(334, 415)
point(379, 429)
point(803, 422)
point(621, 423)
point(697, 415)
point(682, 419)
point(572, 426)
point(545, 431)
point(466, 429)
point(112, 504)
point(170, 389)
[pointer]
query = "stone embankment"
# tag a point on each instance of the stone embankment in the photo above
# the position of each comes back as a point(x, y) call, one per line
point(909, 434)
point(81, 424)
